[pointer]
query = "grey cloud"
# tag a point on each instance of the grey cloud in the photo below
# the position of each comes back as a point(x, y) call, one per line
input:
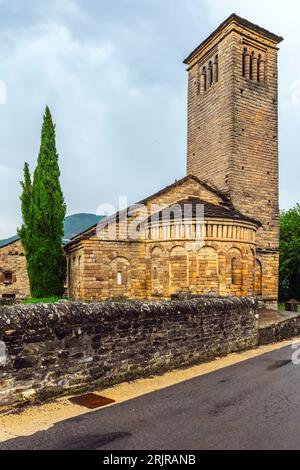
point(112, 73)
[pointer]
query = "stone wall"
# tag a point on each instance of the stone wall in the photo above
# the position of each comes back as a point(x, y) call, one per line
point(280, 331)
point(54, 349)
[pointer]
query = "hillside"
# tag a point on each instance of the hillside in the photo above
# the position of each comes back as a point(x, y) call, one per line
point(73, 225)
point(77, 223)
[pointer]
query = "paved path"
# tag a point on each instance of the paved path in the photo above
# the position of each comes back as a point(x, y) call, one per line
point(250, 405)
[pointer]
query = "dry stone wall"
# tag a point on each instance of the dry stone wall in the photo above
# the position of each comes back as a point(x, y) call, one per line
point(280, 331)
point(53, 349)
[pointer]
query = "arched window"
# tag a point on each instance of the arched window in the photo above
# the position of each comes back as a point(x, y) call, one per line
point(258, 278)
point(203, 80)
point(210, 73)
point(251, 66)
point(254, 67)
point(261, 69)
point(8, 277)
point(234, 272)
point(158, 274)
point(216, 69)
point(244, 62)
point(120, 277)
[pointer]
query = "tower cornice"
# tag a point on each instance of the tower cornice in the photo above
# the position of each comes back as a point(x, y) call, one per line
point(232, 23)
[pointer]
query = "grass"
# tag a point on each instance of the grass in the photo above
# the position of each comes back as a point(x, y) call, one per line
point(282, 308)
point(46, 300)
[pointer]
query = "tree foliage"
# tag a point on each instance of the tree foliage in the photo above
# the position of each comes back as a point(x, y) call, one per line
point(43, 211)
point(290, 254)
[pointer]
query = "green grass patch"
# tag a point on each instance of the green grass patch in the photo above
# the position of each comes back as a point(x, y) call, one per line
point(281, 307)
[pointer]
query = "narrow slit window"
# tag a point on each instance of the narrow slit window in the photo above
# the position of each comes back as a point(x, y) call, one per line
point(203, 81)
point(8, 277)
point(244, 62)
point(119, 278)
point(210, 74)
point(216, 70)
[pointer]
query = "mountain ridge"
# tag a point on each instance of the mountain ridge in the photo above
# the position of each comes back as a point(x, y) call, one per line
point(73, 224)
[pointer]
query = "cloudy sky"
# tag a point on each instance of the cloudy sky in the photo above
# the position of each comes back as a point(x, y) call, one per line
point(112, 73)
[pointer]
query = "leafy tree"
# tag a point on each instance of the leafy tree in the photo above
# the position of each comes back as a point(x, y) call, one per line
point(290, 254)
point(43, 211)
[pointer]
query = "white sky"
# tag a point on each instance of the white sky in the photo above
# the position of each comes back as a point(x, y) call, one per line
point(112, 74)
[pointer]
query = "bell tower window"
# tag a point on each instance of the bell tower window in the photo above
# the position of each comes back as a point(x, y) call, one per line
point(253, 66)
point(209, 74)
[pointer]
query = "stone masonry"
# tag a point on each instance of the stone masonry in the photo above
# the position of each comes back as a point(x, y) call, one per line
point(61, 348)
point(13, 273)
point(163, 264)
point(233, 128)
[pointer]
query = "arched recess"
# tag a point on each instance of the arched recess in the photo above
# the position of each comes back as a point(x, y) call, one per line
point(178, 267)
point(158, 271)
point(258, 278)
point(120, 277)
point(208, 271)
point(234, 273)
point(251, 272)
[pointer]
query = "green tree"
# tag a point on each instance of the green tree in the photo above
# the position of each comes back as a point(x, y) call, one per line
point(43, 211)
point(290, 254)
point(26, 207)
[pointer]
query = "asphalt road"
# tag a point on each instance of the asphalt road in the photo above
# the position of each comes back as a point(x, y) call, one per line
point(251, 405)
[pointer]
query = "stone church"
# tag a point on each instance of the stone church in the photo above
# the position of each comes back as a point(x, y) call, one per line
point(214, 232)
point(232, 247)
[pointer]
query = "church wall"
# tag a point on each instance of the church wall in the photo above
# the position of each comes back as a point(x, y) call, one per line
point(110, 269)
point(157, 269)
point(189, 188)
point(13, 271)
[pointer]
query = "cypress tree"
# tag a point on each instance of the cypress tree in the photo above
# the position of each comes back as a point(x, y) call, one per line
point(24, 231)
point(43, 211)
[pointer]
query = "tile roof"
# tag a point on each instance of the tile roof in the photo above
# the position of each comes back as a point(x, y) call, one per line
point(211, 211)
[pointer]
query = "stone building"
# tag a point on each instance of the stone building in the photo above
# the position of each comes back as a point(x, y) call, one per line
point(13, 273)
point(233, 128)
point(214, 232)
point(232, 167)
point(167, 259)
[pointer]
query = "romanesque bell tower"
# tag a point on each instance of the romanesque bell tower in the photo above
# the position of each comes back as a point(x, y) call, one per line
point(233, 130)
